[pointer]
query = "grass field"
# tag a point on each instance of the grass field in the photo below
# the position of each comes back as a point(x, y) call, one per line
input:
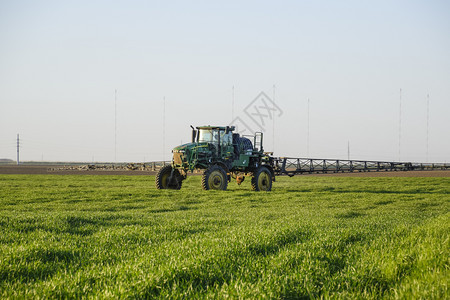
point(311, 237)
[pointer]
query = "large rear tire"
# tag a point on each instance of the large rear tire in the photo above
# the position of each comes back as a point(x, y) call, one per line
point(245, 144)
point(215, 178)
point(262, 179)
point(168, 179)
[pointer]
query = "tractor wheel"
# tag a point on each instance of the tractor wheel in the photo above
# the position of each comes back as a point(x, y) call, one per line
point(215, 178)
point(168, 179)
point(262, 179)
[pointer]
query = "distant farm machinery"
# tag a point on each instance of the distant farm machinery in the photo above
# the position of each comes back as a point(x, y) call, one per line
point(223, 155)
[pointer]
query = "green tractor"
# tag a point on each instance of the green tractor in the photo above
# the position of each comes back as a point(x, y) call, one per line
point(222, 155)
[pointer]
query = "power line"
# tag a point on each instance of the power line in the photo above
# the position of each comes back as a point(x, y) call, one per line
point(8, 143)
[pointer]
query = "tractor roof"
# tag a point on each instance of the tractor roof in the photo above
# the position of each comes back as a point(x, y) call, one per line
point(231, 128)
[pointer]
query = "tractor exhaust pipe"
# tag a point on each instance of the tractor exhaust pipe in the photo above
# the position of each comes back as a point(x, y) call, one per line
point(194, 134)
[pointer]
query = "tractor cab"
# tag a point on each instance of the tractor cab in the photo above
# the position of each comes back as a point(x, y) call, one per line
point(221, 138)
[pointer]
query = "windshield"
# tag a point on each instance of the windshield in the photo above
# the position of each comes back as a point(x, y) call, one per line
point(211, 136)
point(207, 135)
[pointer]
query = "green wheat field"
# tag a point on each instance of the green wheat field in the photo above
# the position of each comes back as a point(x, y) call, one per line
point(311, 237)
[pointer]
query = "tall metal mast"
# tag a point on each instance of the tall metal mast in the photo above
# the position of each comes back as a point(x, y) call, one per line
point(273, 120)
point(400, 127)
point(428, 120)
point(232, 104)
point(307, 134)
point(115, 125)
point(18, 146)
point(164, 126)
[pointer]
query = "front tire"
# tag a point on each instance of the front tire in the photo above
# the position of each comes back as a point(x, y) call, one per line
point(215, 178)
point(168, 179)
point(262, 179)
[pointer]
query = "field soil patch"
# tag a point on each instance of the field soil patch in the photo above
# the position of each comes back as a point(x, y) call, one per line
point(59, 170)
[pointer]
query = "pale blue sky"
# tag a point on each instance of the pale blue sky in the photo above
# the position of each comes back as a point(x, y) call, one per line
point(60, 63)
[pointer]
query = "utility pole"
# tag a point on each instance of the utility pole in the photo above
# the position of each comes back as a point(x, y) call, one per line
point(18, 146)
point(273, 120)
point(400, 127)
point(307, 134)
point(348, 150)
point(115, 125)
point(232, 104)
point(428, 120)
point(164, 127)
